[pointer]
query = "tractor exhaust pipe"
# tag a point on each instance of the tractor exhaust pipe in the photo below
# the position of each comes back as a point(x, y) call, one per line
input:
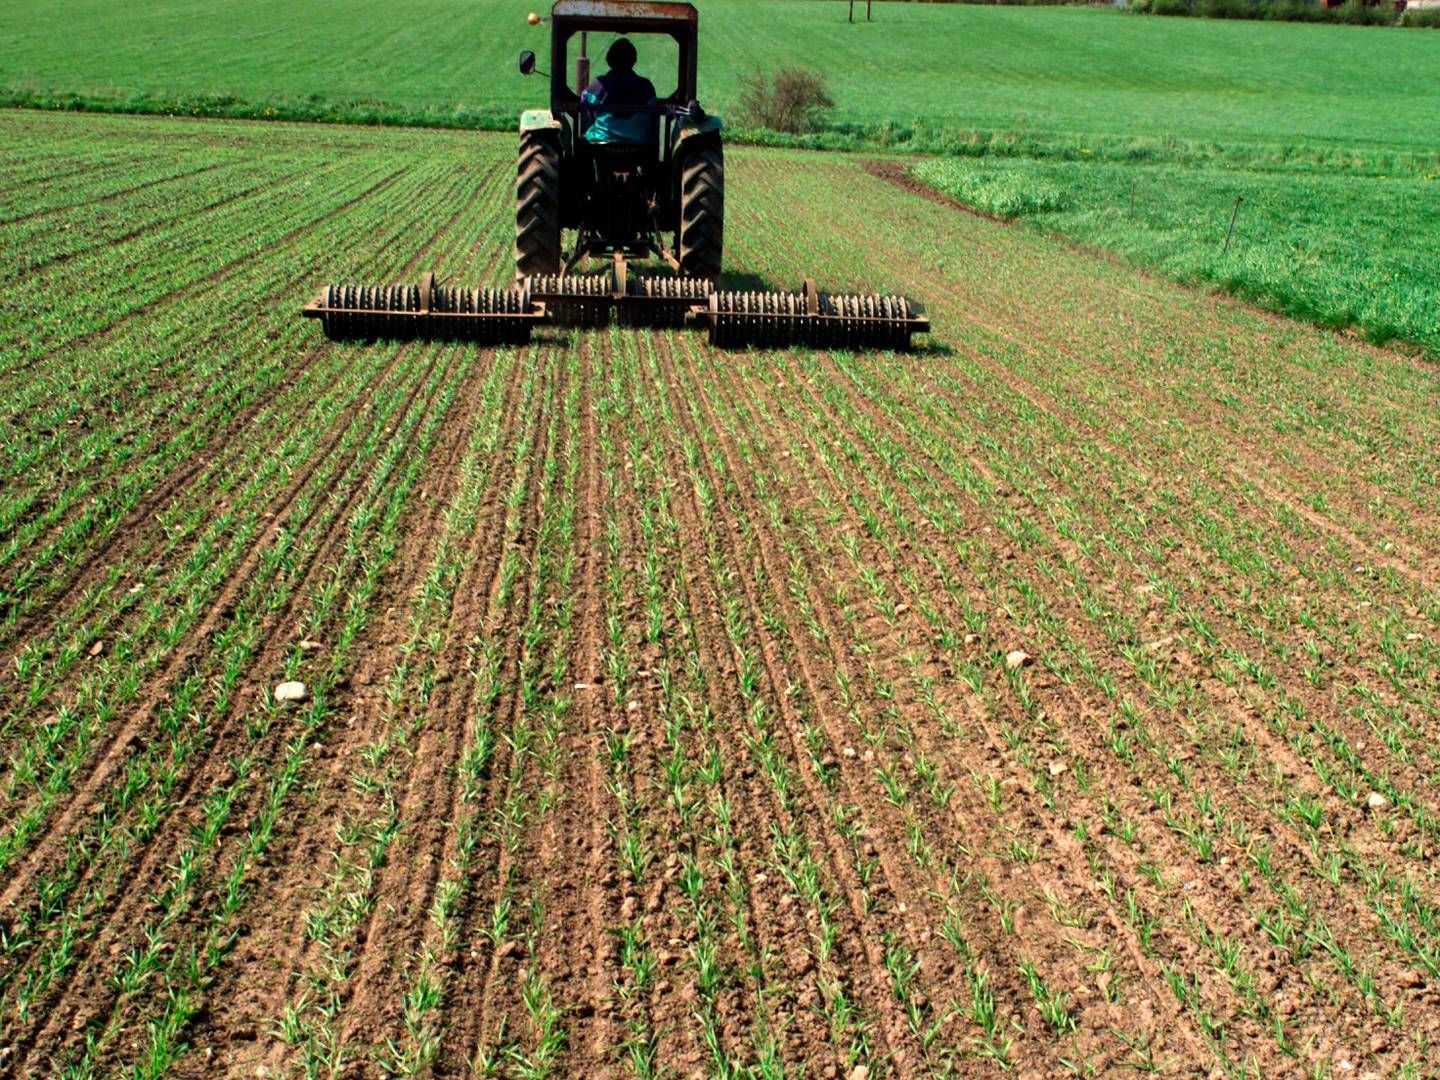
point(582, 64)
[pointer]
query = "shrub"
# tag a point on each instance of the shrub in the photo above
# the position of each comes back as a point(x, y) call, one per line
point(791, 100)
point(1422, 17)
point(1358, 13)
point(1227, 9)
point(1296, 11)
point(1355, 12)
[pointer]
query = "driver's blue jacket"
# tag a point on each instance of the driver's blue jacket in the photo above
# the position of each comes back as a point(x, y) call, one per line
point(621, 93)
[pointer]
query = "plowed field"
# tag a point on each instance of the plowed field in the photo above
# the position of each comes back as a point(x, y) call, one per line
point(1060, 698)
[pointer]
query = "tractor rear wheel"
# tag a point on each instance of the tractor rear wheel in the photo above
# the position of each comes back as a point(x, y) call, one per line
point(700, 240)
point(537, 205)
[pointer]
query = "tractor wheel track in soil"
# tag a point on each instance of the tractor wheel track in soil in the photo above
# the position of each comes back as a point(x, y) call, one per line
point(908, 896)
point(479, 991)
point(625, 903)
point(575, 954)
point(584, 837)
point(774, 921)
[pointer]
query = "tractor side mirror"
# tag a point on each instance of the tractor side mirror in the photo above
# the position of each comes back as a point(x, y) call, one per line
point(527, 62)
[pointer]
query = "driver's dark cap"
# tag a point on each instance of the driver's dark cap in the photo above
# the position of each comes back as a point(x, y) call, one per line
point(621, 55)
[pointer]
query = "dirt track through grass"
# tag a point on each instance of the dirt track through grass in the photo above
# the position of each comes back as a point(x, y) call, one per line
point(660, 713)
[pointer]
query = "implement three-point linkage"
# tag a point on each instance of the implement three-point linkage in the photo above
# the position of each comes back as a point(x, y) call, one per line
point(621, 201)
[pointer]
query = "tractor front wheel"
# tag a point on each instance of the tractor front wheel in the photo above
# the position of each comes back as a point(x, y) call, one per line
point(700, 240)
point(537, 205)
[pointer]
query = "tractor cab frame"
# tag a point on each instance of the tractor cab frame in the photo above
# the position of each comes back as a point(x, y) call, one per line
point(679, 22)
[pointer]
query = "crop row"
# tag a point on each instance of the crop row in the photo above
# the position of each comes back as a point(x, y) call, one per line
point(1013, 706)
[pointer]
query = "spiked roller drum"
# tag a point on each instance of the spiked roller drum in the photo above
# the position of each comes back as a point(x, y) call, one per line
point(367, 312)
point(663, 301)
point(809, 317)
point(765, 318)
point(573, 299)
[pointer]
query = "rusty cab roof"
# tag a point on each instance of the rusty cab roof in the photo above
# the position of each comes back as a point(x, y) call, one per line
point(621, 12)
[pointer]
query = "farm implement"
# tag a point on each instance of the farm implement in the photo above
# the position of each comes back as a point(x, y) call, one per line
point(506, 316)
point(623, 201)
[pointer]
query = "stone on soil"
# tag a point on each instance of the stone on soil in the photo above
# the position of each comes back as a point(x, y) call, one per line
point(291, 691)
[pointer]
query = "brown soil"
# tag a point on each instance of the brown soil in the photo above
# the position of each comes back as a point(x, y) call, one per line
point(663, 713)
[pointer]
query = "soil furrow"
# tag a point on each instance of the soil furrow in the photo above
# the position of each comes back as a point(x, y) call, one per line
point(123, 918)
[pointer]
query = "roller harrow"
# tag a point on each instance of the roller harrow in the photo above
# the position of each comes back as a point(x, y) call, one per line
point(773, 319)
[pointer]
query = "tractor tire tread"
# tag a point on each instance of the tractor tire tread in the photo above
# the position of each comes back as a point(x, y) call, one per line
point(700, 239)
point(537, 206)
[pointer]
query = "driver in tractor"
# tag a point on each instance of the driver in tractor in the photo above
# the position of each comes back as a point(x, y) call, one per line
point(624, 100)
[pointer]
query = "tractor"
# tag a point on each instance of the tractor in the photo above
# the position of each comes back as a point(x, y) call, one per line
point(617, 197)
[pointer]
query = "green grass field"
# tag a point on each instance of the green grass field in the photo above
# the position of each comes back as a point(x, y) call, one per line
point(1053, 74)
point(1343, 248)
point(1329, 132)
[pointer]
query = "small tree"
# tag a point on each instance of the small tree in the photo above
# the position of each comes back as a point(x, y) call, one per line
point(791, 100)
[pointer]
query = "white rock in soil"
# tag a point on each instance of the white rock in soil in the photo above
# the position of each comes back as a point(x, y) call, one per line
point(1016, 658)
point(291, 691)
point(1376, 801)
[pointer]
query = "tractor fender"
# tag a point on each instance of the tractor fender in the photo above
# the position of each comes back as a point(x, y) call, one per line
point(538, 120)
point(694, 131)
